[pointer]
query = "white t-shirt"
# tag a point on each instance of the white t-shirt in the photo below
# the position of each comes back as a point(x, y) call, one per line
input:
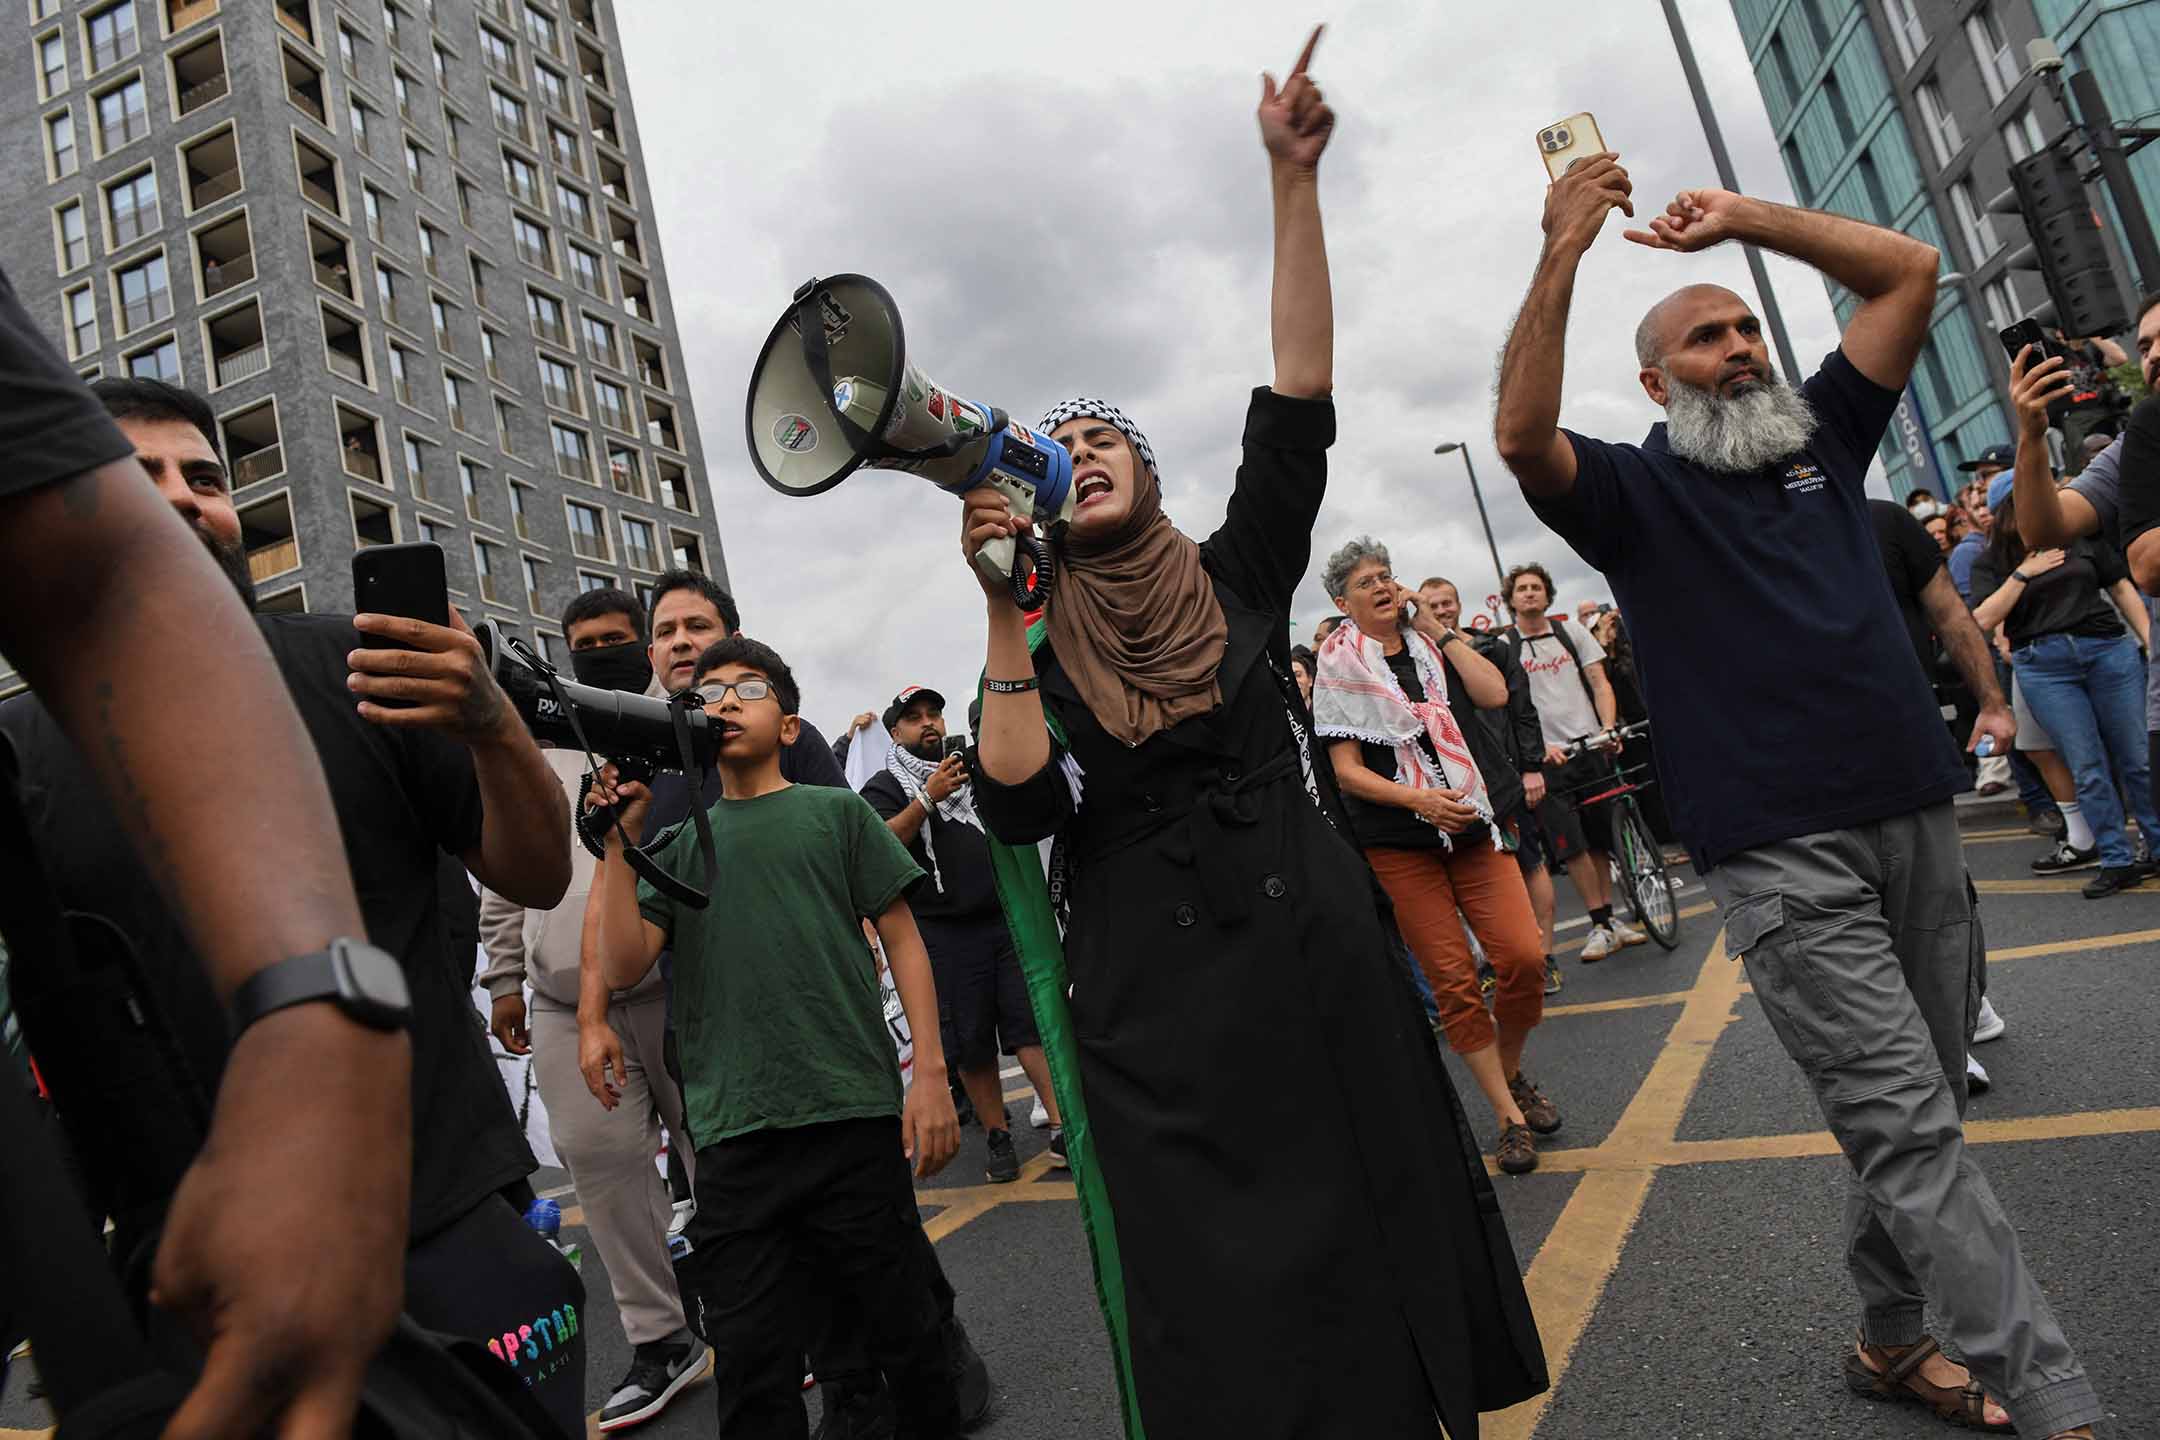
point(1563, 706)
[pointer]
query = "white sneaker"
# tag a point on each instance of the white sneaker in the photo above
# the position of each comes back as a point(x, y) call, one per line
point(1976, 1077)
point(684, 1209)
point(1039, 1117)
point(1990, 1025)
point(1600, 944)
point(1627, 934)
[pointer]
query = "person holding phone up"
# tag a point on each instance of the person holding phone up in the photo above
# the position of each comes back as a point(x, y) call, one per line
point(1811, 779)
point(926, 798)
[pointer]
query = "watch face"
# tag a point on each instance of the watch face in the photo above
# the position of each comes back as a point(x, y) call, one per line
point(371, 983)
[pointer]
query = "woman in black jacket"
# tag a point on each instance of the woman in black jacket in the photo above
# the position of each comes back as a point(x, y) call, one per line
point(1297, 1211)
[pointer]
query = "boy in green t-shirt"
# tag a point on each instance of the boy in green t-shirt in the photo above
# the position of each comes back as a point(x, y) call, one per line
point(789, 1079)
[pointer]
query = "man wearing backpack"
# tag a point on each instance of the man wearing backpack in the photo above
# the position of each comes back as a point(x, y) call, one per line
point(1566, 666)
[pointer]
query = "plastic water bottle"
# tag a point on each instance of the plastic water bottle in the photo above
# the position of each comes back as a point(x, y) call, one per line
point(545, 1218)
point(1986, 747)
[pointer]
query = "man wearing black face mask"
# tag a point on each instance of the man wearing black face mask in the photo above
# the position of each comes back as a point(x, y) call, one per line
point(597, 1058)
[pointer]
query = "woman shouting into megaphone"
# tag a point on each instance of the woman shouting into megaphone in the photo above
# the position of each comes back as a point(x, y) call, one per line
point(1292, 1235)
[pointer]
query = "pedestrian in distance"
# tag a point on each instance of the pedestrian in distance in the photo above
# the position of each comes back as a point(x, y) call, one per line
point(1397, 703)
point(1745, 513)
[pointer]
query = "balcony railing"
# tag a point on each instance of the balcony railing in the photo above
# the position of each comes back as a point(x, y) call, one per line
point(660, 434)
point(217, 87)
point(337, 277)
point(363, 465)
point(587, 546)
point(457, 417)
point(654, 376)
point(489, 590)
point(320, 193)
point(573, 467)
point(112, 51)
point(213, 188)
point(221, 275)
point(308, 103)
point(521, 522)
point(501, 65)
point(405, 393)
point(522, 189)
point(675, 494)
point(132, 126)
point(637, 309)
point(550, 331)
point(239, 365)
point(615, 416)
point(259, 465)
point(182, 13)
point(151, 308)
point(628, 480)
point(293, 23)
point(273, 559)
point(349, 366)
point(560, 398)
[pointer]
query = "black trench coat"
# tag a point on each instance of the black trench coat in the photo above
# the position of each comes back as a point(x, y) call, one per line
point(1310, 1244)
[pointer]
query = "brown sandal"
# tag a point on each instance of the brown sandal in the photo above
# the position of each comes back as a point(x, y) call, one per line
point(1900, 1382)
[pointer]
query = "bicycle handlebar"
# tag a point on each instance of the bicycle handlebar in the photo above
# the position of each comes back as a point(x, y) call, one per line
point(1618, 733)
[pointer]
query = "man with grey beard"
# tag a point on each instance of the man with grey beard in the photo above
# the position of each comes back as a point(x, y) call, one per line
point(1804, 761)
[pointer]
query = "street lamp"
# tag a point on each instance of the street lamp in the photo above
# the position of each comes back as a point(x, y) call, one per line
point(1499, 574)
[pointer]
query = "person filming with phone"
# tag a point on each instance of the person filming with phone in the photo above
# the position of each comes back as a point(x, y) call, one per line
point(1811, 779)
point(927, 799)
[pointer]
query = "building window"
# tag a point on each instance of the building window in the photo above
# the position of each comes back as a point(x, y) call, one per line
point(587, 582)
point(520, 518)
point(554, 89)
point(1906, 29)
point(401, 375)
point(60, 145)
point(488, 353)
point(588, 532)
point(573, 452)
point(509, 112)
point(348, 49)
point(506, 426)
point(131, 208)
point(547, 317)
point(112, 36)
point(484, 571)
point(431, 249)
point(2001, 300)
point(469, 485)
point(586, 273)
point(530, 569)
point(160, 361)
point(520, 178)
point(641, 551)
point(600, 339)
point(74, 234)
point(357, 115)
point(498, 54)
point(1942, 126)
point(123, 115)
point(1976, 224)
point(612, 402)
point(372, 207)
point(415, 172)
point(401, 90)
point(558, 385)
point(2022, 137)
point(145, 298)
point(439, 311)
point(453, 389)
point(82, 322)
point(574, 207)
point(540, 29)
point(442, 67)
point(1998, 66)
point(416, 467)
point(52, 64)
point(532, 244)
point(386, 293)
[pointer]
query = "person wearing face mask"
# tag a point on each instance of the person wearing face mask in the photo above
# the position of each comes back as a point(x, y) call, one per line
point(1226, 1004)
point(597, 1056)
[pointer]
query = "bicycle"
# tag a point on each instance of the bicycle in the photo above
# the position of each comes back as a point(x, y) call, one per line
point(1638, 859)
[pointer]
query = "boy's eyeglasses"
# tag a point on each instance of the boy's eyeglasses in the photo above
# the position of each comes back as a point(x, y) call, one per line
point(745, 691)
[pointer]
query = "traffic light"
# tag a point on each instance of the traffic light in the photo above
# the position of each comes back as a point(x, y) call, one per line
point(2066, 246)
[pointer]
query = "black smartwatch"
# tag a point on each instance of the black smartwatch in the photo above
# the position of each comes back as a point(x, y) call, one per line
point(366, 983)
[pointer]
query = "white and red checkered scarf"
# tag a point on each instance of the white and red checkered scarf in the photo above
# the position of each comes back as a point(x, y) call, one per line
point(1356, 697)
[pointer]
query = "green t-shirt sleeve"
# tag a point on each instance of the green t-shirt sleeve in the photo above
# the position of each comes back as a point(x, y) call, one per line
point(880, 870)
point(671, 851)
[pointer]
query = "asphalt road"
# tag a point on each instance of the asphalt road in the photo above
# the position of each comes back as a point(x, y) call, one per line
point(1681, 1239)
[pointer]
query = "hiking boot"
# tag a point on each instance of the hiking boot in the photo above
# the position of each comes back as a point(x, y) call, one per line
point(659, 1371)
point(1552, 976)
point(1602, 942)
point(2113, 878)
point(1517, 1152)
point(2066, 857)
point(1542, 1115)
point(1003, 1165)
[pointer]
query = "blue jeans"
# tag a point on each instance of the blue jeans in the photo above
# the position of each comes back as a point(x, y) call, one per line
point(2090, 694)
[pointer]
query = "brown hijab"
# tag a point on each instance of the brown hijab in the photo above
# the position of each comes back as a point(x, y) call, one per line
point(1133, 617)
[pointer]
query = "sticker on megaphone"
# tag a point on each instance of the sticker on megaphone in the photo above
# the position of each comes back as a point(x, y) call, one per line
point(847, 378)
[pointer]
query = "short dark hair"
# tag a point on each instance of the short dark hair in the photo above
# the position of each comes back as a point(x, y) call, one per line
point(1327, 626)
point(2151, 299)
point(1302, 655)
point(1515, 573)
point(1432, 580)
point(742, 650)
point(606, 600)
point(141, 398)
point(672, 580)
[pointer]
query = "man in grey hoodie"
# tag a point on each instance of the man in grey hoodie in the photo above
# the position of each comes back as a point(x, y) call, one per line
point(597, 1058)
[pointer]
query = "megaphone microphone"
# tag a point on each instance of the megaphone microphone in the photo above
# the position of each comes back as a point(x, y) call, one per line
point(834, 392)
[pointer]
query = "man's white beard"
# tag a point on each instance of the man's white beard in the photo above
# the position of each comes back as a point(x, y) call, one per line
point(1763, 424)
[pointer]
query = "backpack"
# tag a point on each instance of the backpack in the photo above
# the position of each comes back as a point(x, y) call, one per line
point(1516, 641)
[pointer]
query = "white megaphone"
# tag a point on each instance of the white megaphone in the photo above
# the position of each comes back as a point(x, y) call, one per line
point(833, 392)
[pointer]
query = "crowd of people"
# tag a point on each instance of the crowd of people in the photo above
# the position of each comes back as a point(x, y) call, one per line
point(1202, 888)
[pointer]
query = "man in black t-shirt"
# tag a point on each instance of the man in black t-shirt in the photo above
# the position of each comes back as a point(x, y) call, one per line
point(1810, 777)
point(454, 782)
point(926, 800)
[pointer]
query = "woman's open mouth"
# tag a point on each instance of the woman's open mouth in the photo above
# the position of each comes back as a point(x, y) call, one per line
point(1089, 486)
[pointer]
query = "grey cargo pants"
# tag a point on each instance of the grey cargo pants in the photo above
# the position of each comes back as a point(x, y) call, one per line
point(1864, 950)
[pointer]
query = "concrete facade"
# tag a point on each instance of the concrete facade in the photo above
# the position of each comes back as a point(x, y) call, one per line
point(360, 206)
point(1909, 113)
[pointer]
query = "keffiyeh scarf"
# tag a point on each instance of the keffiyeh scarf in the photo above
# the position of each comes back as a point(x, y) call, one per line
point(1356, 697)
point(913, 772)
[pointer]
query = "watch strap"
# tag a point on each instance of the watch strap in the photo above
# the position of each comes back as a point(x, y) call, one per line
point(364, 982)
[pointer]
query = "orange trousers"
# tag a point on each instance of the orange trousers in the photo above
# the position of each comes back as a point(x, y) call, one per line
point(1435, 892)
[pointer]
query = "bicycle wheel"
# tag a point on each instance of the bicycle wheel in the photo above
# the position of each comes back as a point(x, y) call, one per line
point(1642, 862)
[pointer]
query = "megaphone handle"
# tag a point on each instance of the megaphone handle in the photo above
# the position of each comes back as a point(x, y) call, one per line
point(1016, 559)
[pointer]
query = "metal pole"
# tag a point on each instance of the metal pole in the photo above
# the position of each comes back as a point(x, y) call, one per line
point(1478, 495)
point(1718, 155)
point(2115, 169)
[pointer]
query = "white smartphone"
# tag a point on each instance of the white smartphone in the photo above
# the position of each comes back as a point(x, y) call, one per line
point(1564, 142)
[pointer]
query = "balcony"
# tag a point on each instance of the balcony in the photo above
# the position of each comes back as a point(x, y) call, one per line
point(561, 398)
point(636, 297)
point(293, 15)
point(373, 523)
point(273, 559)
point(689, 551)
point(361, 463)
point(330, 256)
point(675, 488)
point(522, 187)
point(587, 545)
point(349, 367)
point(258, 465)
point(252, 442)
point(612, 415)
point(179, 14)
point(304, 87)
point(624, 474)
point(551, 331)
point(345, 346)
point(241, 364)
point(592, 68)
point(319, 178)
point(227, 256)
point(651, 363)
point(583, 16)
point(266, 533)
point(205, 92)
point(660, 425)
point(601, 117)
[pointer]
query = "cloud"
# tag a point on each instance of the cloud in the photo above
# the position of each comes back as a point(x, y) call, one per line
point(1073, 200)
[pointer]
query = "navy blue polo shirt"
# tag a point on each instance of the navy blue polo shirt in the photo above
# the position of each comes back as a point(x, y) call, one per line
point(1785, 695)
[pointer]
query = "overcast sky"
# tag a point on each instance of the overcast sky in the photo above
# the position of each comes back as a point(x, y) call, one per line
point(1073, 200)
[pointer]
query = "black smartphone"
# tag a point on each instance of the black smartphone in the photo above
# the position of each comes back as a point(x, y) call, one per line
point(405, 580)
point(2028, 332)
point(955, 745)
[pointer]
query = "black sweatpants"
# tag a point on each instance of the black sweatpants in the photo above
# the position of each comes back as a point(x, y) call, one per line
point(488, 1277)
point(787, 1220)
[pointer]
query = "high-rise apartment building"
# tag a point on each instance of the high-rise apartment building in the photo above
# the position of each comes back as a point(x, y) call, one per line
point(408, 250)
point(1909, 113)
